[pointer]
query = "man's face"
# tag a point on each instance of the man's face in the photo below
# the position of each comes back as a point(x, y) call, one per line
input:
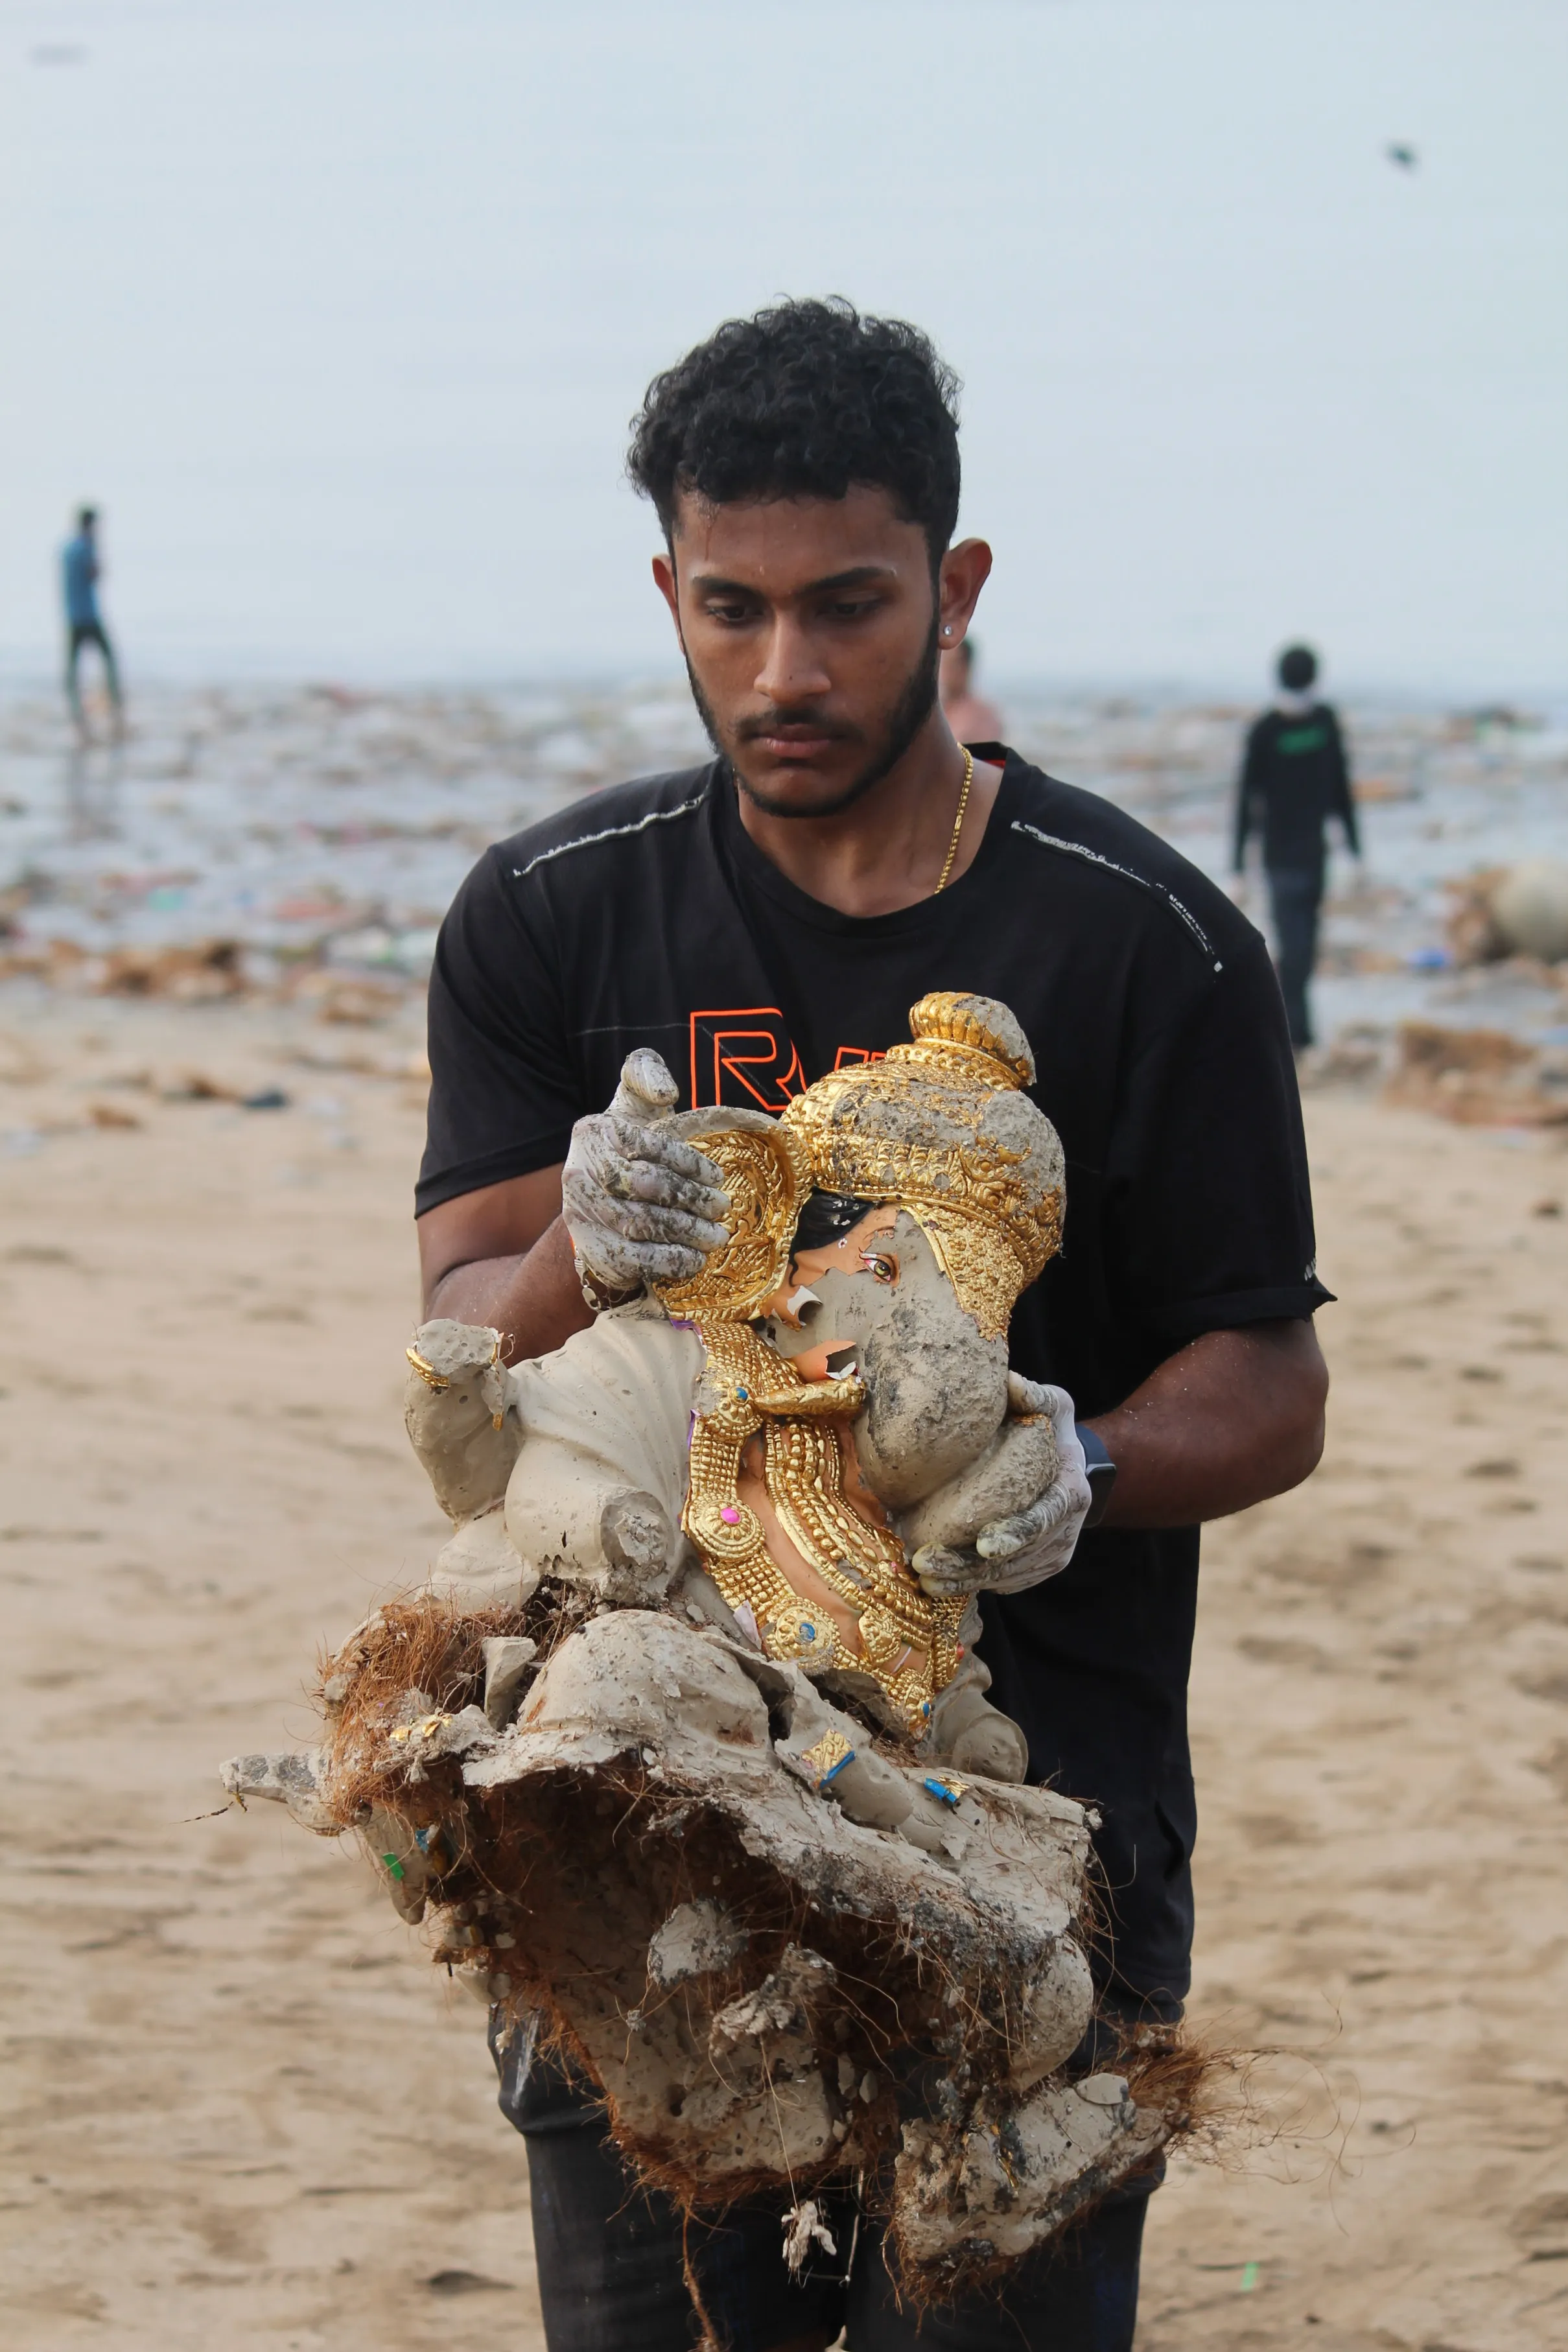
point(810, 631)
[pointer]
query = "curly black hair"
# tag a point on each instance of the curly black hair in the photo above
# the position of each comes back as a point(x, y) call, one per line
point(801, 401)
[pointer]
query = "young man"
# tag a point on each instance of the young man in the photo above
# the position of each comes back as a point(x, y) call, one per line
point(1294, 778)
point(79, 572)
point(773, 915)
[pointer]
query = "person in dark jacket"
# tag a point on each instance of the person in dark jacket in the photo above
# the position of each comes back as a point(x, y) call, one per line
point(1295, 776)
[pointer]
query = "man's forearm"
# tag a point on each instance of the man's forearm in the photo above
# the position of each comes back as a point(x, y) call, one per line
point(533, 1298)
point(1233, 1418)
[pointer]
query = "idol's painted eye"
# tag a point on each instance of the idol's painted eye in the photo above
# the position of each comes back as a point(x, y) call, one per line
point(882, 1265)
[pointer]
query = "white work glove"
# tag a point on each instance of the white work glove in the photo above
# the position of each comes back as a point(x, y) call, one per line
point(1010, 1555)
point(640, 1205)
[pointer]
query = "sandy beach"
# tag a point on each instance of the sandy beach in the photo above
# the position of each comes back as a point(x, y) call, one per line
point(240, 2105)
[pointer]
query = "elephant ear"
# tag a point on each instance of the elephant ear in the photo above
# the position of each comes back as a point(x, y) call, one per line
point(766, 1171)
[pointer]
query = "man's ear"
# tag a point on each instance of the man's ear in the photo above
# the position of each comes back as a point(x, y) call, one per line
point(669, 589)
point(964, 571)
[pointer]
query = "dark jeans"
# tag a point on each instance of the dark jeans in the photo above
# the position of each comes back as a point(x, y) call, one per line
point(608, 2257)
point(88, 633)
point(1295, 895)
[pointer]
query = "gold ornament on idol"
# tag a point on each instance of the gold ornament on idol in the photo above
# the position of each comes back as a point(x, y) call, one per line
point(915, 1128)
point(957, 822)
point(984, 1207)
point(906, 1642)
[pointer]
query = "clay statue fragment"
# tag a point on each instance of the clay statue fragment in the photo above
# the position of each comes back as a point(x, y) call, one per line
point(686, 1747)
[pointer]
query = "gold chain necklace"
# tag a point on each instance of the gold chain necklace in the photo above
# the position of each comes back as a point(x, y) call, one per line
point(908, 1642)
point(958, 821)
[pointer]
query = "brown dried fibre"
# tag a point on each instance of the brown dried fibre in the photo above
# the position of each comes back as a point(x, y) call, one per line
point(426, 1646)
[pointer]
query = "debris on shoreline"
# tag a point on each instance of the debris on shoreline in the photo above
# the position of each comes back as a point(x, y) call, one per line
point(1478, 1077)
point(302, 843)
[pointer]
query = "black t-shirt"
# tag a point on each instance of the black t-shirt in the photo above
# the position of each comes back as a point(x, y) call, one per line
point(1294, 777)
point(647, 916)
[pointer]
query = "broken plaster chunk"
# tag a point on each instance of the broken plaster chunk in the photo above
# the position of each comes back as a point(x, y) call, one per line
point(438, 1734)
point(780, 2004)
point(1103, 2090)
point(611, 1681)
point(871, 1791)
point(478, 1566)
point(1052, 2017)
point(696, 1940)
point(291, 1781)
point(507, 1658)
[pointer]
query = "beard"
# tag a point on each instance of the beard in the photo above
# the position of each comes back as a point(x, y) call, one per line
point(915, 701)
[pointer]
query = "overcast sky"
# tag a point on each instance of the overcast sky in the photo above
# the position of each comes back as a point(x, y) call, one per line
point(339, 310)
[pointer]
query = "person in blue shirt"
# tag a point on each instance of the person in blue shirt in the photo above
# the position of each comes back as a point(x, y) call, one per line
point(84, 622)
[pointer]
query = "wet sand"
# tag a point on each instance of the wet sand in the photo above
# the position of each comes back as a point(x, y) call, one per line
point(240, 2109)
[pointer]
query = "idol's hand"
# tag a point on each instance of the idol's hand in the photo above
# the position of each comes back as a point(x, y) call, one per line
point(1010, 1554)
point(640, 1205)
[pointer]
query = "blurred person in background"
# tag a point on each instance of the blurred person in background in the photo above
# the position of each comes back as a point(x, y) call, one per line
point(971, 719)
point(80, 574)
point(1294, 777)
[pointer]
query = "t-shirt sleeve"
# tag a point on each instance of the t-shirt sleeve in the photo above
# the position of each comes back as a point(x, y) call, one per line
point(1208, 1198)
point(505, 1088)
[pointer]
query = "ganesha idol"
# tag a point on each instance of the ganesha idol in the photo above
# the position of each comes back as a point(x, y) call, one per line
point(685, 1751)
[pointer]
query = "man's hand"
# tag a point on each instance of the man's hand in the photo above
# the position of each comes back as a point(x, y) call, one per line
point(1227, 1421)
point(1012, 1554)
point(640, 1205)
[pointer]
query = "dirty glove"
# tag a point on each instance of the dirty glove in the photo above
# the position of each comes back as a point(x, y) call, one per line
point(1012, 1554)
point(640, 1205)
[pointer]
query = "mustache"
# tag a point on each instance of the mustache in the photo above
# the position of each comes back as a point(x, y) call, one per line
point(768, 723)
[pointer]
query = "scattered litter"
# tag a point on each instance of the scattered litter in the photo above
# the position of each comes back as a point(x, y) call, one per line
point(302, 845)
point(367, 1064)
point(1507, 911)
point(466, 2282)
point(1477, 1078)
point(110, 1115)
point(1357, 1055)
point(265, 1098)
point(200, 973)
